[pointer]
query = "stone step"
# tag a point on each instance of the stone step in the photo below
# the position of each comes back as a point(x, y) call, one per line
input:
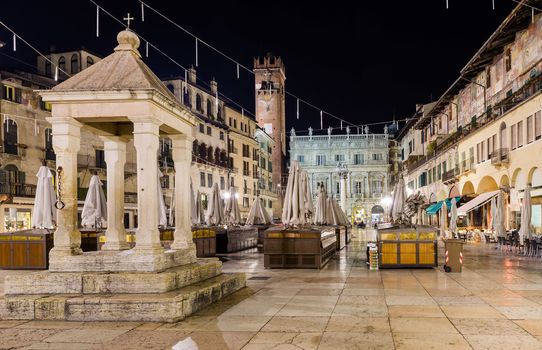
point(171, 306)
point(46, 282)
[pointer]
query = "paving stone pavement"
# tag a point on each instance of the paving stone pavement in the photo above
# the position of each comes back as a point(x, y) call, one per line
point(495, 303)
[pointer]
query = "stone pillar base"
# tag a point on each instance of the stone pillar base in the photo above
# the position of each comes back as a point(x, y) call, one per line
point(115, 246)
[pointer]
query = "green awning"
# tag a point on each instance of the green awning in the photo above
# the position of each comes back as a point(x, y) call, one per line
point(435, 207)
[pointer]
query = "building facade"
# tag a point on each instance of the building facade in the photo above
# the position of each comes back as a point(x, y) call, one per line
point(484, 132)
point(366, 159)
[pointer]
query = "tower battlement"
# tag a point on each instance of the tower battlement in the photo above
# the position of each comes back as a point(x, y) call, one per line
point(269, 61)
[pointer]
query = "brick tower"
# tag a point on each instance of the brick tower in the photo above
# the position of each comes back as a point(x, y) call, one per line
point(270, 114)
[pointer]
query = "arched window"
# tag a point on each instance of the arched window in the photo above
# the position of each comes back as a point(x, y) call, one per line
point(48, 71)
point(209, 108)
point(202, 151)
point(74, 64)
point(217, 156)
point(10, 137)
point(198, 103)
point(195, 149)
point(187, 98)
point(49, 152)
point(62, 63)
point(90, 61)
point(503, 135)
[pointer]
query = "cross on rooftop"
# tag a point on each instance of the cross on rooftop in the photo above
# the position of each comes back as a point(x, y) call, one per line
point(128, 19)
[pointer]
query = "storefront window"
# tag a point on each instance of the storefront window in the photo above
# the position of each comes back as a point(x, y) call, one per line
point(16, 219)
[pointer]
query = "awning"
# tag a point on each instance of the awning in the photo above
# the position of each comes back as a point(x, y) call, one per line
point(435, 207)
point(476, 202)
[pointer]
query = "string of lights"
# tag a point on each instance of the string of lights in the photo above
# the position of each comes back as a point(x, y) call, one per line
point(17, 36)
point(240, 65)
point(171, 59)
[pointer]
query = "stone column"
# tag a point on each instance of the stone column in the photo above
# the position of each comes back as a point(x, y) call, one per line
point(146, 141)
point(343, 192)
point(115, 158)
point(66, 143)
point(182, 158)
point(367, 188)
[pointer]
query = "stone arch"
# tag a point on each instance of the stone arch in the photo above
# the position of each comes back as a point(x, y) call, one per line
point(468, 188)
point(454, 192)
point(487, 184)
point(535, 177)
point(377, 209)
point(519, 179)
point(505, 181)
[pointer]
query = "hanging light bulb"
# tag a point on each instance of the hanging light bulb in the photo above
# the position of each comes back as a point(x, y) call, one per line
point(142, 12)
point(321, 120)
point(237, 70)
point(56, 73)
point(14, 42)
point(146, 49)
point(341, 125)
point(97, 21)
point(297, 108)
point(196, 52)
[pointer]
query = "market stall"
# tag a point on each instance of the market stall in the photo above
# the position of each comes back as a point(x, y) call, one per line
point(407, 246)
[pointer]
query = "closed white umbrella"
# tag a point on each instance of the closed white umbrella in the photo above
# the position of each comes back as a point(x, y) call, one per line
point(320, 210)
point(231, 210)
point(162, 217)
point(44, 212)
point(198, 218)
point(526, 213)
point(257, 214)
point(306, 206)
point(493, 208)
point(171, 220)
point(95, 207)
point(399, 197)
point(443, 219)
point(453, 216)
point(215, 211)
point(291, 214)
point(499, 217)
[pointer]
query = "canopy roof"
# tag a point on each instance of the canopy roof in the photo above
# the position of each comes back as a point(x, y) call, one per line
point(435, 207)
point(476, 202)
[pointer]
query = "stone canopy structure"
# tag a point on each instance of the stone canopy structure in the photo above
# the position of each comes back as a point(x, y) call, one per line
point(119, 98)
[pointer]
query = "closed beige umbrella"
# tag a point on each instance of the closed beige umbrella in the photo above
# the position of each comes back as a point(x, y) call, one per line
point(215, 211)
point(258, 215)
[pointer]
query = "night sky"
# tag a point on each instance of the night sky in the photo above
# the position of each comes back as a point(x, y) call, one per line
point(365, 65)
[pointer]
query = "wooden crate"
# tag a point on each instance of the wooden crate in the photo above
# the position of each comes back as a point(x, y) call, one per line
point(303, 248)
point(205, 240)
point(407, 247)
point(28, 249)
point(236, 238)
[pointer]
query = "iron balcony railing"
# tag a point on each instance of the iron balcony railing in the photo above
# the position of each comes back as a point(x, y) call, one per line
point(500, 156)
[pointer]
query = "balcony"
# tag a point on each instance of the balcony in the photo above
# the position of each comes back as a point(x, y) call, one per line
point(448, 177)
point(500, 157)
point(467, 165)
point(17, 190)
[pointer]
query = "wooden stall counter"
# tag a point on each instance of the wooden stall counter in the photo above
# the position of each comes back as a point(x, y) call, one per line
point(236, 238)
point(407, 247)
point(299, 248)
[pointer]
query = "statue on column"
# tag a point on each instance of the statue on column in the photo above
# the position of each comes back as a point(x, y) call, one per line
point(329, 130)
point(366, 129)
point(292, 134)
point(347, 132)
point(310, 132)
point(385, 129)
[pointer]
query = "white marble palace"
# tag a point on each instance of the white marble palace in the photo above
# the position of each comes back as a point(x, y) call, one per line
point(361, 158)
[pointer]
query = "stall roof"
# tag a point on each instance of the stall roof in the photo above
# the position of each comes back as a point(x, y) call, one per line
point(476, 202)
